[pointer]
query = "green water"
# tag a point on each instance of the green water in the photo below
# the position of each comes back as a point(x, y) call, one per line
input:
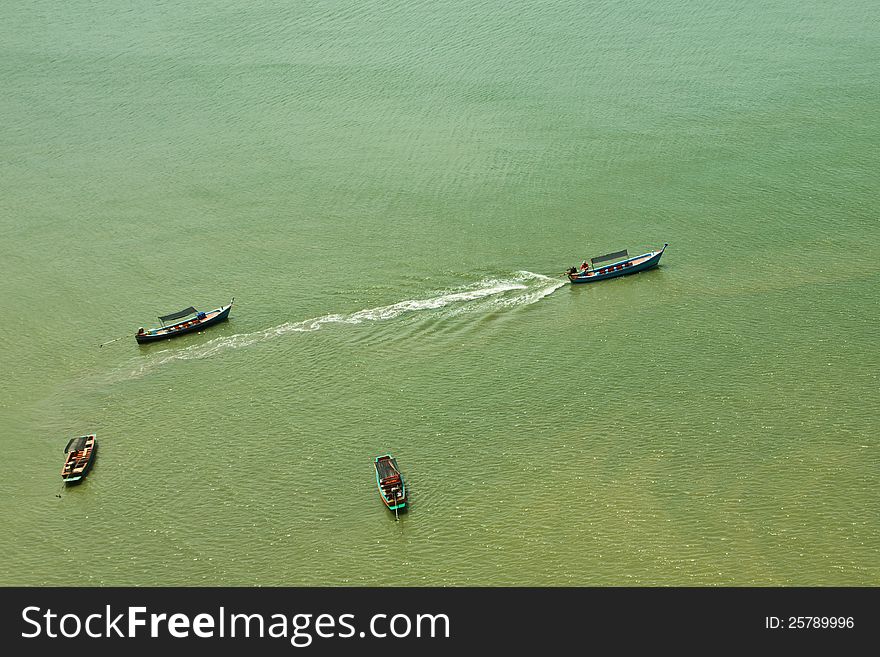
point(390, 190)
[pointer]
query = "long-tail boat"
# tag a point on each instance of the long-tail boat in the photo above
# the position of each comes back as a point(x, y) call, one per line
point(80, 455)
point(390, 483)
point(196, 321)
point(623, 264)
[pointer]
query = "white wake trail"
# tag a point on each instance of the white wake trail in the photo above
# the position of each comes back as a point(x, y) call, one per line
point(523, 288)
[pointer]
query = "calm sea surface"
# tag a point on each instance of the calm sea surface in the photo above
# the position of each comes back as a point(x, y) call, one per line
point(390, 190)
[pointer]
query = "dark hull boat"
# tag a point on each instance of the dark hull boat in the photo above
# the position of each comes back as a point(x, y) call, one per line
point(390, 483)
point(80, 457)
point(196, 321)
point(622, 266)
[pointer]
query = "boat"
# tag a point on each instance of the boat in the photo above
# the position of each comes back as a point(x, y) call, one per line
point(80, 457)
point(622, 265)
point(390, 483)
point(195, 321)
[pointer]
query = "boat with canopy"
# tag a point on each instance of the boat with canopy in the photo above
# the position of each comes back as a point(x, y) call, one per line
point(390, 483)
point(196, 321)
point(621, 265)
point(79, 457)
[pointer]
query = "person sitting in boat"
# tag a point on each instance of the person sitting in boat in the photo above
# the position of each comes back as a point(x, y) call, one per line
point(585, 265)
point(141, 330)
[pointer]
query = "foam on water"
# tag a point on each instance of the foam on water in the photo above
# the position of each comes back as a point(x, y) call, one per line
point(520, 289)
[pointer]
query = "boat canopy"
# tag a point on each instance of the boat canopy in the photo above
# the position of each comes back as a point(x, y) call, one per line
point(387, 468)
point(178, 315)
point(610, 256)
point(76, 444)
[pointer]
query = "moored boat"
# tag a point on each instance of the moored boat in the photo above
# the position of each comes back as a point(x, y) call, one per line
point(622, 265)
point(195, 321)
point(390, 483)
point(80, 455)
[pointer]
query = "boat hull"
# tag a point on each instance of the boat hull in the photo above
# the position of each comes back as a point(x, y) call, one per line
point(144, 338)
point(623, 268)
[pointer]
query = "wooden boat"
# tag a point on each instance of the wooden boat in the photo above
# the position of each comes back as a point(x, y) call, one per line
point(196, 321)
point(390, 483)
point(621, 266)
point(80, 457)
